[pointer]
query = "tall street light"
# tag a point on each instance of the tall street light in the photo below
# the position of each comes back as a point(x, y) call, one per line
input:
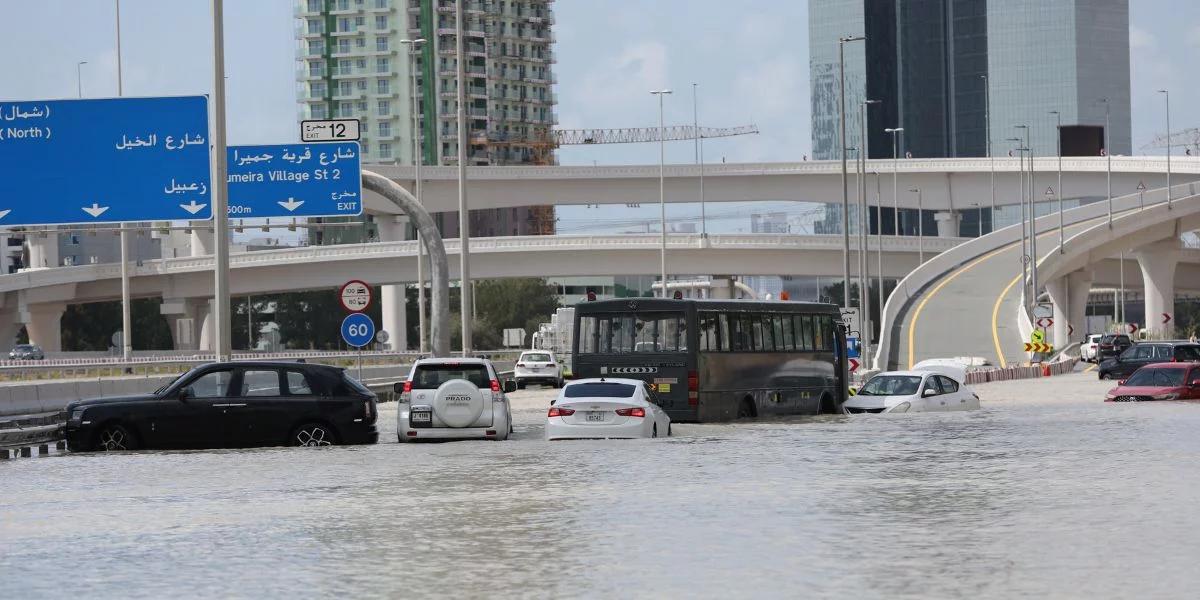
point(79, 76)
point(920, 225)
point(879, 250)
point(699, 142)
point(864, 226)
point(1058, 145)
point(1021, 149)
point(464, 221)
point(126, 293)
point(987, 117)
point(422, 323)
point(662, 196)
point(219, 194)
point(845, 189)
point(1167, 97)
point(895, 131)
point(1108, 155)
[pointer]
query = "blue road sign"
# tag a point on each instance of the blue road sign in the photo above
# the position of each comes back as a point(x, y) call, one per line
point(295, 180)
point(852, 347)
point(358, 330)
point(104, 161)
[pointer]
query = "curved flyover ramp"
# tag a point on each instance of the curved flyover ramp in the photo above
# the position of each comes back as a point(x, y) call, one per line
point(965, 302)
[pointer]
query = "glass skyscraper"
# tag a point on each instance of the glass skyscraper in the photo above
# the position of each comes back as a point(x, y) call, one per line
point(938, 66)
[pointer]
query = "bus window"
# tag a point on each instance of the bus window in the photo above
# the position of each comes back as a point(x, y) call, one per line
point(723, 335)
point(777, 330)
point(617, 334)
point(824, 333)
point(768, 334)
point(587, 335)
point(708, 332)
point(805, 327)
point(756, 332)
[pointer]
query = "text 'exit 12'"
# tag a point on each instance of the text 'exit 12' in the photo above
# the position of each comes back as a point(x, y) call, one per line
point(104, 161)
point(295, 180)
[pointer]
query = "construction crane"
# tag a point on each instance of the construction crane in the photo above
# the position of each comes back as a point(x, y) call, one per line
point(1189, 139)
point(543, 146)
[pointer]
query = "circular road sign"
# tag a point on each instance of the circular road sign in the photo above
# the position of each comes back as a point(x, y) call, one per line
point(358, 330)
point(382, 337)
point(355, 296)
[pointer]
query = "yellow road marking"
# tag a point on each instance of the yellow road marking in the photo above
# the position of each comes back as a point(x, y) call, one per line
point(912, 329)
point(1090, 369)
point(995, 317)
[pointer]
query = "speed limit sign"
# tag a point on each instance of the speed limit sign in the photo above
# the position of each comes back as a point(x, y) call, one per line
point(355, 296)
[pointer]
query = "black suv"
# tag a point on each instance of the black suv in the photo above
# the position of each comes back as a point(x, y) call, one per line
point(1111, 345)
point(232, 405)
point(1145, 353)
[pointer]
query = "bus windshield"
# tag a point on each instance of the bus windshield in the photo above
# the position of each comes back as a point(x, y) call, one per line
point(618, 333)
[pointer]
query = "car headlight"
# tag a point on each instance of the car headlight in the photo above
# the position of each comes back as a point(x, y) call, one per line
point(77, 414)
point(900, 408)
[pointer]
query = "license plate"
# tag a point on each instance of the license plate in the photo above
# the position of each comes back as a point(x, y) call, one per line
point(595, 417)
point(421, 417)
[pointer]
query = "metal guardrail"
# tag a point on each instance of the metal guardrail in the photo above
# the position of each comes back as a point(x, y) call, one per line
point(21, 434)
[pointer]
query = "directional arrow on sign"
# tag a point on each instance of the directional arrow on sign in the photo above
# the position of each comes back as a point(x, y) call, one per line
point(1045, 322)
point(291, 204)
point(853, 364)
point(95, 210)
point(1038, 347)
point(1070, 329)
point(4, 213)
point(193, 208)
point(1133, 328)
point(1166, 316)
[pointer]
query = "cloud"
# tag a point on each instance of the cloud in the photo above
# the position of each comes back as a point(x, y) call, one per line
point(618, 85)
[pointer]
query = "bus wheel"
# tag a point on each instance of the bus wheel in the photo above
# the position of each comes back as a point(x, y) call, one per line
point(826, 406)
point(746, 409)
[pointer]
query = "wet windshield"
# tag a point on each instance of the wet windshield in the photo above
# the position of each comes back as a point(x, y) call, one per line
point(170, 383)
point(536, 357)
point(891, 385)
point(1156, 378)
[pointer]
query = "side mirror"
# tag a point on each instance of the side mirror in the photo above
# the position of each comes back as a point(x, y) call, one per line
point(185, 393)
point(1121, 382)
point(509, 386)
point(928, 392)
point(398, 387)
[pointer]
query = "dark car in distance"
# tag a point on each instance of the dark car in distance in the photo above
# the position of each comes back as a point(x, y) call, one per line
point(26, 352)
point(1111, 345)
point(1147, 353)
point(231, 405)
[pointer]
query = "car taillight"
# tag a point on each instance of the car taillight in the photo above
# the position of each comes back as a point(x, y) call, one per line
point(495, 386)
point(693, 388)
point(406, 395)
point(631, 412)
point(560, 412)
point(367, 409)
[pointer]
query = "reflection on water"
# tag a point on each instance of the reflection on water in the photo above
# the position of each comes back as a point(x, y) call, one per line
point(1049, 499)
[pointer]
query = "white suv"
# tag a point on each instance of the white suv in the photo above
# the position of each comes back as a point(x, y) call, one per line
point(538, 366)
point(453, 399)
point(1089, 348)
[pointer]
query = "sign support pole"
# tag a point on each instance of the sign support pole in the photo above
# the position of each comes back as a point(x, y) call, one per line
point(464, 216)
point(222, 344)
point(126, 297)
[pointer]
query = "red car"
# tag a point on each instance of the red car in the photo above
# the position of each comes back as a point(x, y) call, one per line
point(1160, 381)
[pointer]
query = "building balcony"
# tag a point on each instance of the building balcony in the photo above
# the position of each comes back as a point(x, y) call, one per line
point(471, 31)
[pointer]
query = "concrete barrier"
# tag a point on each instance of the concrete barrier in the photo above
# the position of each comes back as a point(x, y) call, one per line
point(1021, 372)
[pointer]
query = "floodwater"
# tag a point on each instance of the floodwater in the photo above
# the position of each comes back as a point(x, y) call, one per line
point(1045, 492)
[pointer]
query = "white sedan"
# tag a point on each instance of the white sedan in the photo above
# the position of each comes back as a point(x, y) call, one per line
point(606, 408)
point(939, 389)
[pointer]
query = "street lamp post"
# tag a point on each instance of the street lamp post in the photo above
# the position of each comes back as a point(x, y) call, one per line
point(219, 194)
point(1167, 97)
point(845, 188)
point(1058, 144)
point(1033, 255)
point(1021, 189)
point(699, 143)
point(79, 76)
point(422, 322)
point(662, 196)
point(895, 131)
point(467, 299)
point(879, 250)
point(920, 225)
point(864, 226)
point(126, 293)
point(987, 117)
point(1108, 155)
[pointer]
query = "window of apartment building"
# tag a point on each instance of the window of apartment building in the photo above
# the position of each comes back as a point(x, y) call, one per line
point(382, 86)
point(366, 148)
point(385, 129)
point(385, 150)
point(345, 66)
point(316, 89)
point(381, 3)
point(361, 85)
point(343, 24)
point(381, 22)
point(316, 68)
point(362, 126)
point(318, 111)
point(315, 5)
point(316, 46)
point(343, 4)
point(343, 46)
point(316, 26)
point(362, 106)
point(360, 43)
point(381, 44)
point(381, 65)
point(384, 108)
point(361, 64)
point(346, 109)
point(345, 88)
point(360, 22)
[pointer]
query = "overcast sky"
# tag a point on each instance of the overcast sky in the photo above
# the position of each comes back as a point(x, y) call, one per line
point(751, 63)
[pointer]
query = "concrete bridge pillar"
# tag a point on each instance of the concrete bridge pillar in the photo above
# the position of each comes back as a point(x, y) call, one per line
point(187, 318)
point(43, 251)
point(202, 240)
point(947, 223)
point(9, 326)
point(393, 298)
point(1158, 262)
point(1069, 295)
point(43, 323)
